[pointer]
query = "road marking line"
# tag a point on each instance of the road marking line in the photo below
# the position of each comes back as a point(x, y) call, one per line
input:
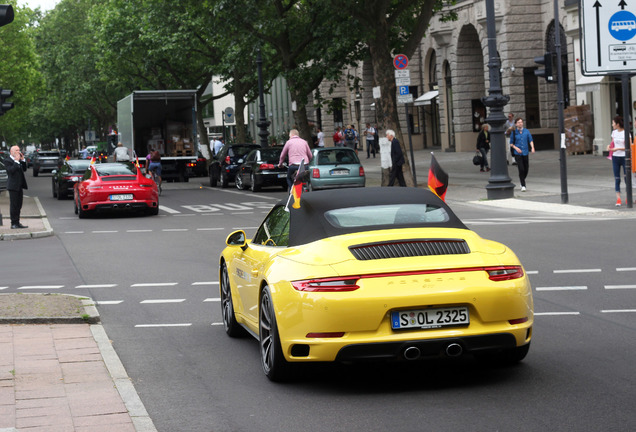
point(109, 302)
point(73, 232)
point(168, 209)
point(205, 283)
point(556, 313)
point(621, 269)
point(244, 228)
point(3, 288)
point(174, 229)
point(150, 284)
point(609, 287)
point(41, 287)
point(210, 299)
point(209, 229)
point(532, 272)
point(104, 232)
point(562, 288)
point(617, 310)
point(577, 271)
point(242, 213)
point(138, 230)
point(163, 325)
point(97, 286)
point(162, 301)
point(217, 324)
point(183, 215)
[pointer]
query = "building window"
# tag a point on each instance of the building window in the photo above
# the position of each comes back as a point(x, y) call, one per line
point(531, 93)
point(338, 118)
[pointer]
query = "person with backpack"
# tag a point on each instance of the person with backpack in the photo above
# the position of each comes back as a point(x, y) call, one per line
point(350, 137)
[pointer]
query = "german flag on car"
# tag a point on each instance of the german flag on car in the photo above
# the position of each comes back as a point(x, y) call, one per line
point(437, 179)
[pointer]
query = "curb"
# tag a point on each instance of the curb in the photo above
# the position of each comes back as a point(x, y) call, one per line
point(90, 316)
point(47, 232)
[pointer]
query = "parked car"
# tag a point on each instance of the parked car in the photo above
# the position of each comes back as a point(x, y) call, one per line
point(46, 160)
point(373, 274)
point(335, 167)
point(63, 180)
point(4, 177)
point(115, 186)
point(29, 159)
point(225, 164)
point(260, 170)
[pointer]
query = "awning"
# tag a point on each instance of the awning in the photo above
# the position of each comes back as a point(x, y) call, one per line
point(589, 83)
point(426, 98)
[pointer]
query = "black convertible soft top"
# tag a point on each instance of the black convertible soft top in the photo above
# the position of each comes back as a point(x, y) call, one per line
point(308, 223)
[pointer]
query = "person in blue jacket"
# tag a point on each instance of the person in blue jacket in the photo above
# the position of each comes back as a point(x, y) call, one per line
point(522, 145)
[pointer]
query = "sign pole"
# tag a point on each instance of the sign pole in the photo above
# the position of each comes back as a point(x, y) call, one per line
point(561, 103)
point(628, 127)
point(408, 129)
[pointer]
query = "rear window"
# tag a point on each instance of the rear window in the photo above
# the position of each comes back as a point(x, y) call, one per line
point(396, 214)
point(79, 166)
point(270, 155)
point(116, 169)
point(239, 151)
point(49, 154)
point(337, 156)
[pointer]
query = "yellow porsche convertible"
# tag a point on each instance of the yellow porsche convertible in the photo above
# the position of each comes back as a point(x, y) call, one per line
point(373, 274)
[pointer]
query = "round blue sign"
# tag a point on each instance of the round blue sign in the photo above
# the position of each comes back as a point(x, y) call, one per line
point(622, 25)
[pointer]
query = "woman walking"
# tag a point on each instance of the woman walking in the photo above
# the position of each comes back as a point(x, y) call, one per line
point(618, 155)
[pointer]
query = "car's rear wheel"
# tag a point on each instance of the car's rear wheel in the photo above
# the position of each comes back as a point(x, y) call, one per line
point(232, 327)
point(274, 365)
point(224, 180)
point(75, 205)
point(35, 172)
point(239, 182)
point(254, 186)
point(212, 178)
point(83, 214)
point(154, 211)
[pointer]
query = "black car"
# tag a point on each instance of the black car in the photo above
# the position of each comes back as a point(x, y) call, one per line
point(260, 169)
point(226, 162)
point(47, 160)
point(200, 169)
point(4, 178)
point(65, 178)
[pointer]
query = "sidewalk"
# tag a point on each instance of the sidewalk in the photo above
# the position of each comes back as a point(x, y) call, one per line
point(32, 215)
point(59, 376)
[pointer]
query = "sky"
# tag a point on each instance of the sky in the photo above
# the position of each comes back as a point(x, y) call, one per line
point(42, 4)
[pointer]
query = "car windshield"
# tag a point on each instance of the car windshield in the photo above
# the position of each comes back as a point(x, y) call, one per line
point(79, 166)
point(116, 169)
point(239, 151)
point(401, 214)
point(337, 156)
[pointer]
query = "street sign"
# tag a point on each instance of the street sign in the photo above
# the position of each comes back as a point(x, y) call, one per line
point(403, 90)
point(609, 43)
point(403, 81)
point(402, 73)
point(407, 98)
point(228, 115)
point(400, 61)
point(90, 136)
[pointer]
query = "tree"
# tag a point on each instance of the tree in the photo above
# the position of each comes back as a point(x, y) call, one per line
point(389, 27)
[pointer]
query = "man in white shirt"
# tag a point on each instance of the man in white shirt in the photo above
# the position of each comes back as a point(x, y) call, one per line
point(369, 133)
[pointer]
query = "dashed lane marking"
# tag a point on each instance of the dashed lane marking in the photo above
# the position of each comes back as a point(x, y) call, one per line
point(612, 287)
point(577, 271)
point(159, 301)
point(205, 283)
point(154, 284)
point(555, 313)
point(97, 286)
point(562, 288)
point(618, 310)
point(162, 325)
point(109, 302)
point(27, 287)
point(212, 299)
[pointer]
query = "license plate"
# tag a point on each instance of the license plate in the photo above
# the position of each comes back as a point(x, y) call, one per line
point(339, 172)
point(282, 175)
point(121, 197)
point(430, 318)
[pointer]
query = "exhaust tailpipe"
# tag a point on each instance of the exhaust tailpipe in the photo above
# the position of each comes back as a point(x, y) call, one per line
point(412, 353)
point(454, 350)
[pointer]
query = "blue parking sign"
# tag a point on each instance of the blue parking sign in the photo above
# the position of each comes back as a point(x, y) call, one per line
point(404, 90)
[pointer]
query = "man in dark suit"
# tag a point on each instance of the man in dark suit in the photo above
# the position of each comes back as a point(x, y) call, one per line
point(16, 165)
point(397, 160)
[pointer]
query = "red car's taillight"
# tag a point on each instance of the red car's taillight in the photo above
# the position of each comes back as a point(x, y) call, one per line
point(504, 273)
point(361, 172)
point(266, 166)
point(227, 160)
point(327, 284)
point(315, 173)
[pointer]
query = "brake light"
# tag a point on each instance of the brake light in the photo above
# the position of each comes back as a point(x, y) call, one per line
point(504, 273)
point(326, 335)
point(266, 166)
point(518, 320)
point(201, 160)
point(361, 172)
point(227, 160)
point(191, 164)
point(315, 173)
point(327, 284)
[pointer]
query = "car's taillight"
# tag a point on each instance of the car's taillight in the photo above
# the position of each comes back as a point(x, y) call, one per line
point(146, 184)
point(504, 273)
point(315, 173)
point(266, 166)
point(518, 320)
point(191, 164)
point(361, 172)
point(327, 284)
point(201, 160)
point(227, 160)
point(326, 335)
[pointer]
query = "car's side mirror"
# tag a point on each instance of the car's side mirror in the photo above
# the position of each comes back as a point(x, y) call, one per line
point(237, 238)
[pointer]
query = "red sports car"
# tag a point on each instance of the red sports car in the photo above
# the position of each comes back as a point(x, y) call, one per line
point(115, 186)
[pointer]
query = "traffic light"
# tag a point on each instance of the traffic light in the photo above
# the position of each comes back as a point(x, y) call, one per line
point(5, 106)
point(547, 61)
point(6, 14)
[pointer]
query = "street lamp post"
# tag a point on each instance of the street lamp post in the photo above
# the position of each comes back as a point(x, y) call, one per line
point(262, 123)
point(499, 185)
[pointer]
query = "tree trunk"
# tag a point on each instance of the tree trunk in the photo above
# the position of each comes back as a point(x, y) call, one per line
point(300, 116)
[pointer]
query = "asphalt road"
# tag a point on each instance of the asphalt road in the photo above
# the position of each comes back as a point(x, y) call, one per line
point(156, 285)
